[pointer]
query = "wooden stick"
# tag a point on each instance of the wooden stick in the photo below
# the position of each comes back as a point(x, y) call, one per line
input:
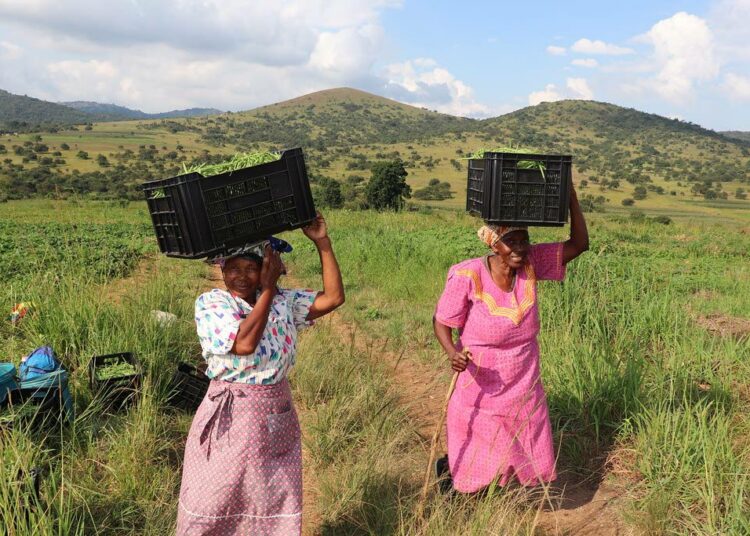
point(433, 448)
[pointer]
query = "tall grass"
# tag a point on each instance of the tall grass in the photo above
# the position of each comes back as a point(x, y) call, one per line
point(635, 386)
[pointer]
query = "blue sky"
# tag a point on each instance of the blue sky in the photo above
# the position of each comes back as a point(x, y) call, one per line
point(687, 59)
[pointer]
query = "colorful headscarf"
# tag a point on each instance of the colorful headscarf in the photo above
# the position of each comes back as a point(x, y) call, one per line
point(491, 234)
point(253, 252)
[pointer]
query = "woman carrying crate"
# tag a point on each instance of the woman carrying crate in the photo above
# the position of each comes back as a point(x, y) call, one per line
point(498, 424)
point(243, 469)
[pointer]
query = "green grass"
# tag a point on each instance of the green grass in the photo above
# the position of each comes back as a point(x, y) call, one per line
point(633, 382)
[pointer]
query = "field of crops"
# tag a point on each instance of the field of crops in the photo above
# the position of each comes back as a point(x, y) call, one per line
point(648, 392)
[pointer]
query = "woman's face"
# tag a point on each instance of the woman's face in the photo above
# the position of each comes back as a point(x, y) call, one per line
point(242, 277)
point(513, 248)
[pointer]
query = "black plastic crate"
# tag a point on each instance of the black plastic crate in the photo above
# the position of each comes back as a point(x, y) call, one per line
point(189, 386)
point(498, 191)
point(196, 216)
point(119, 391)
point(39, 408)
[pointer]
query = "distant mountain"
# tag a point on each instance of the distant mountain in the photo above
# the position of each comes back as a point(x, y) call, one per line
point(120, 112)
point(22, 113)
point(340, 116)
point(737, 135)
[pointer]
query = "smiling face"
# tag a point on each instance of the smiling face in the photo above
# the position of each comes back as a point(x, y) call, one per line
point(513, 248)
point(242, 277)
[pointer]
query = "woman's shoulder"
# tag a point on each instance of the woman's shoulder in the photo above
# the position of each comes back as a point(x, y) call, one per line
point(468, 264)
point(212, 296)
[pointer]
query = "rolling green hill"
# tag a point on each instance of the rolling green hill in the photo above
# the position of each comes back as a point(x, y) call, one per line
point(21, 113)
point(737, 134)
point(619, 154)
point(122, 113)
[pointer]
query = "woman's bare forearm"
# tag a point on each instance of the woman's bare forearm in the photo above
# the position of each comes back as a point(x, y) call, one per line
point(252, 327)
point(332, 295)
point(579, 234)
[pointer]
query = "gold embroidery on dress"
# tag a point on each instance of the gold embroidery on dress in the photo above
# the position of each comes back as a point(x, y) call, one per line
point(515, 313)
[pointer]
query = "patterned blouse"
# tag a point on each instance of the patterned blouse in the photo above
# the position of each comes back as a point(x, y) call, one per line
point(218, 315)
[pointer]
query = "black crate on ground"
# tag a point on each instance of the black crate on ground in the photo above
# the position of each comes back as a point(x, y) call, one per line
point(117, 391)
point(40, 408)
point(189, 386)
point(499, 191)
point(196, 216)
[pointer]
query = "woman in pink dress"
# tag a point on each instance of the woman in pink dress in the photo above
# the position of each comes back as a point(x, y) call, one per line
point(498, 422)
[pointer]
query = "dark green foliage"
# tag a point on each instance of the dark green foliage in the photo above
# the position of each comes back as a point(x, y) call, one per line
point(387, 187)
point(434, 191)
point(628, 202)
point(590, 203)
point(639, 193)
point(327, 193)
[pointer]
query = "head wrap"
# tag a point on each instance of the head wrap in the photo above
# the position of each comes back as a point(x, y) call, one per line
point(253, 252)
point(491, 234)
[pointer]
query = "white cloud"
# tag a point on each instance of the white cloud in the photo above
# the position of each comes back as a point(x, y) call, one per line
point(587, 46)
point(579, 88)
point(737, 86)
point(684, 54)
point(422, 82)
point(575, 88)
point(729, 21)
point(555, 50)
point(165, 54)
point(548, 94)
point(9, 51)
point(588, 62)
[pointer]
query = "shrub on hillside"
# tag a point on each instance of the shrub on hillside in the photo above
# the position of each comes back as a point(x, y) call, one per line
point(387, 187)
point(434, 191)
point(628, 202)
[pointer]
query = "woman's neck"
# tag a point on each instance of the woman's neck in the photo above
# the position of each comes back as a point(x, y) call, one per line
point(501, 273)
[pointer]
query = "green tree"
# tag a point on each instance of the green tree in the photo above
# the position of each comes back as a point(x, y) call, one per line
point(387, 187)
point(639, 193)
point(327, 193)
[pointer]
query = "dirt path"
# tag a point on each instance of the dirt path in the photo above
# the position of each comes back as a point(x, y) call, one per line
point(575, 506)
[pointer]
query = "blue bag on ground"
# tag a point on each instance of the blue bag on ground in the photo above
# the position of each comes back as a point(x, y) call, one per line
point(40, 372)
point(41, 361)
point(7, 381)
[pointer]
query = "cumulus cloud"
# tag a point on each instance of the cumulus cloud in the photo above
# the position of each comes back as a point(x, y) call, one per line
point(422, 82)
point(728, 19)
point(587, 46)
point(232, 54)
point(548, 94)
point(9, 51)
point(737, 86)
point(575, 88)
point(579, 88)
point(683, 52)
point(555, 50)
point(587, 62)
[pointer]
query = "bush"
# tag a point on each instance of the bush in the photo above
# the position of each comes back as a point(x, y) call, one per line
point(387, 187)
point(589, 203)
point(664, 220)
point(327, 193)
point(628, 202)
point(637, 215)
point(435, 191)
point(639, 193)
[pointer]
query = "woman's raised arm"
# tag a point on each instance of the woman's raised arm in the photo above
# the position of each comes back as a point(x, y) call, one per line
point(579, 234)
point(332, 295)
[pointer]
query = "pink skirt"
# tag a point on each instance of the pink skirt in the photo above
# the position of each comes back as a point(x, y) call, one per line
point(243, 466)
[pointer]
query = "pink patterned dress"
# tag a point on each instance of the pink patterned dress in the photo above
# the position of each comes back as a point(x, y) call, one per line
point(498, 422)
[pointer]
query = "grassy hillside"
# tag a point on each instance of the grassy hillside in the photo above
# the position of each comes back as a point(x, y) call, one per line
point(663, 165)
point(737, 134)
point(645, 396)
point(21, 113)
point(122, 113)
